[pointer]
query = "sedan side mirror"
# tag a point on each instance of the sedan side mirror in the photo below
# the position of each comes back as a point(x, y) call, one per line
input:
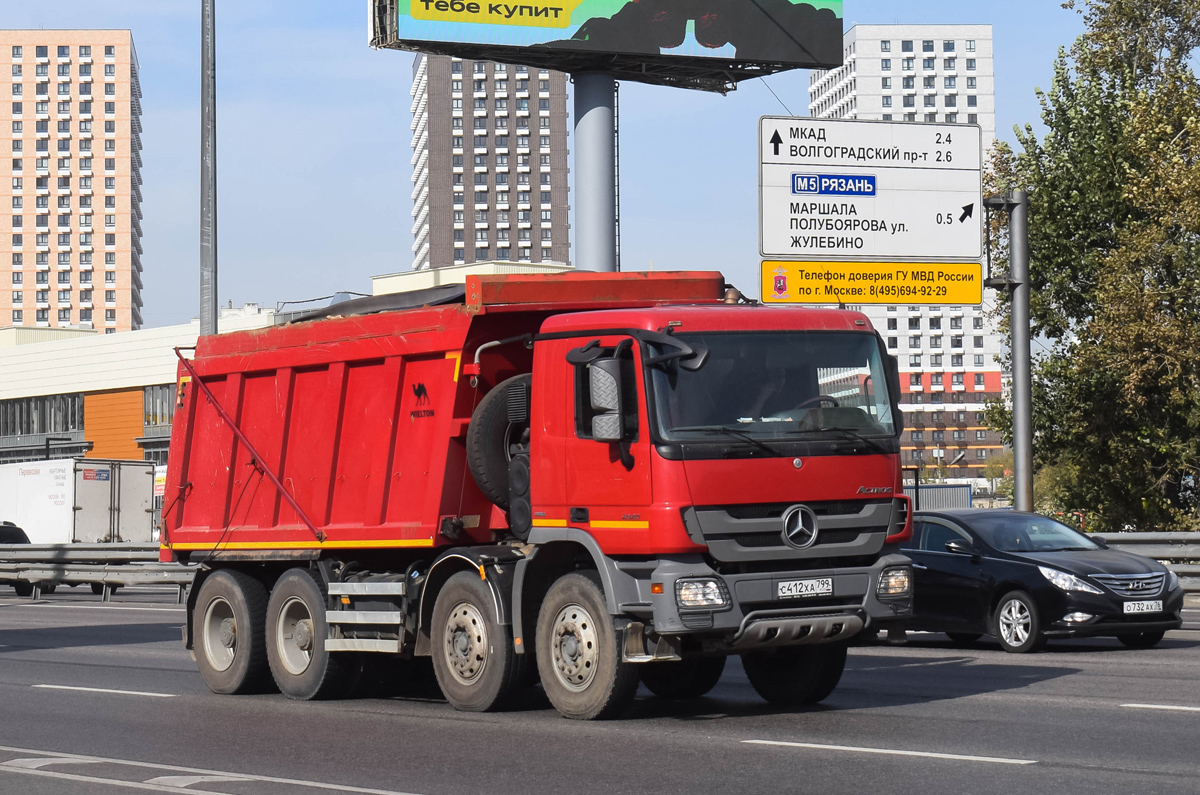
point(959, 548)
point(1098, 541)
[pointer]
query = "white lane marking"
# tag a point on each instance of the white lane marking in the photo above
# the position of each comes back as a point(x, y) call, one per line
point(187, 781)
point(116, 782)
point(57, 606)
point(178, 769)
point(893, 752)
point(106, 690)
point(1168, 707)
point(36, 763)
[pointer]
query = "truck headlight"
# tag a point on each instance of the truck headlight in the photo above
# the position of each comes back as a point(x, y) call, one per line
point(701, 593)
point(1067, 582)
point(894, 582)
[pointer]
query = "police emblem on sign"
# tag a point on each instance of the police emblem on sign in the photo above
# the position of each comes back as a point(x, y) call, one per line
point(781, 287)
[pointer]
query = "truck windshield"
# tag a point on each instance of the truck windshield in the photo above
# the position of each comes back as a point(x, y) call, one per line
point(776, 385)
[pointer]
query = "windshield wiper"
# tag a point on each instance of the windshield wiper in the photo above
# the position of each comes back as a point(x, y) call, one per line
point(847, 433)
point(731, 432)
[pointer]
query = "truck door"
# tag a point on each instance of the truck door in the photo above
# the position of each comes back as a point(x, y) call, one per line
point(610, 479)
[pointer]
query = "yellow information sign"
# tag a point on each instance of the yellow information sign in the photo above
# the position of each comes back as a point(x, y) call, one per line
point(917, 283)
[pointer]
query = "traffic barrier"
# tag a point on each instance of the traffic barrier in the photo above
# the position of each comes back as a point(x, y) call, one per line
point(1180, 552)
point(107, 565)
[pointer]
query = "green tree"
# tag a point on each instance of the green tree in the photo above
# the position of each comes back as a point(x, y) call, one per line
point(1115, 267)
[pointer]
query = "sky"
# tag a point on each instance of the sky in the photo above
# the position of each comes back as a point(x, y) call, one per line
point(313, 143)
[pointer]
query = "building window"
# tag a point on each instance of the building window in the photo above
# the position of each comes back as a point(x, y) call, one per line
point(886, 64)
point(926, 46)
point(979, 380)
point(914, 342)
point(935, 360)
point(970, 45)
point(914, 379)
point(980, 436)
point(956, 379)
point(979, 342)
point(956, 360)
point(892, 344)
point(906, 46)
point(914, 360)
point(935, 324)
point(935, 341)
point(907, 64)
point(931, 101)
point(929, 64)
point(918, 436)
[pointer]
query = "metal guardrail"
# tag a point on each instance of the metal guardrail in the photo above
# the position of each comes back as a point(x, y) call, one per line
point(1180, 552)
point(107, 565)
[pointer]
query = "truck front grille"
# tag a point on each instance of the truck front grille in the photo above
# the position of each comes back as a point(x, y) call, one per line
point(754, 532)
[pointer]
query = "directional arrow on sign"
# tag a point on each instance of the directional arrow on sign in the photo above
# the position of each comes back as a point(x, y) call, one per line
point(967, 210)
point(776, 141)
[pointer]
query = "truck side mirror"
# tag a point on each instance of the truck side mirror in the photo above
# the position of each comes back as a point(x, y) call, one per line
point(604, 381)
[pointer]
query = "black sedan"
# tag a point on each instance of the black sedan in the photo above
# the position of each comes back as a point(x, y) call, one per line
point(1023, 579)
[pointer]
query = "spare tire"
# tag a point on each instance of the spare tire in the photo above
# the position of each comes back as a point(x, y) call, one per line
point(500, 421)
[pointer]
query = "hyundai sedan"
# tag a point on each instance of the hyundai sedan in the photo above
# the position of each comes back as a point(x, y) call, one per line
point(1024, 579)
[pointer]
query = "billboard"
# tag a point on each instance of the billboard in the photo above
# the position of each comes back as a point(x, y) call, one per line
point(705, 40)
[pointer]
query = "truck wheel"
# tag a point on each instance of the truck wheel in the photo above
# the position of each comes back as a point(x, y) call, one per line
point(49, 587)
point(23, 588)
point(474, 657)
point(500, 420)
point(229, 623)
point(98, 588)
point(577, 651)
point(296, 632)
point(683, 678)
point(796, 676)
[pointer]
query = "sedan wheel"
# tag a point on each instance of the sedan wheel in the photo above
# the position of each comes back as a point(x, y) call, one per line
point(1017, 625)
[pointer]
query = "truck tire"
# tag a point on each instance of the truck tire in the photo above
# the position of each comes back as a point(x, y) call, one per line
point(577, 651)
point(682, 679)
point(98, 588)
point(229, 625)
point(796, 676)
point(496, 425)
point(474, 657)
point(296, 632)
point(23, 588)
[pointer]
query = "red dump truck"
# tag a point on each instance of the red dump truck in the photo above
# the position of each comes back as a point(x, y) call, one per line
point(591, 479)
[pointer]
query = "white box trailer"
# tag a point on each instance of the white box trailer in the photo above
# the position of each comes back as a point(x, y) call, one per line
point(80, 500)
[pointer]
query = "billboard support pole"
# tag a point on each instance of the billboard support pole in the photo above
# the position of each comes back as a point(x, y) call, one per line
point(208, 169)
point(595, 172)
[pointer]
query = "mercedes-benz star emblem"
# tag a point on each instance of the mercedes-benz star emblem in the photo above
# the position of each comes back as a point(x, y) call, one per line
point(799, 527)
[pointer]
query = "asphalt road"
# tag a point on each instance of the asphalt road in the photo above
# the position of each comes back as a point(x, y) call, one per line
point(103, 699)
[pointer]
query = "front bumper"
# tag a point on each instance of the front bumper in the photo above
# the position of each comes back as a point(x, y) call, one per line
point(1109, 617)
point(757, 618)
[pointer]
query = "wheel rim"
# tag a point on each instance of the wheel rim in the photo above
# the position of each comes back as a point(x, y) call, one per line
point(575, 647)
point(294, 637)
point(466, 643)
point(1015, 622)
point(220, 634)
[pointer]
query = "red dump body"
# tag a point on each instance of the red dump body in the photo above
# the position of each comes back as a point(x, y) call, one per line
point(362, 420)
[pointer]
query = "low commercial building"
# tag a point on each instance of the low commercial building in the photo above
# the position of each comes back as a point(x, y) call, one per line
point(66, 393)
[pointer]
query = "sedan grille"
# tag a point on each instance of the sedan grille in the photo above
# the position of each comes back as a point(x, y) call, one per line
point(1134, 586)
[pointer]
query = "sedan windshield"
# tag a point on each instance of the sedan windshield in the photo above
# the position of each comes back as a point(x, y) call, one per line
point(1019, 533)
point(776, 385)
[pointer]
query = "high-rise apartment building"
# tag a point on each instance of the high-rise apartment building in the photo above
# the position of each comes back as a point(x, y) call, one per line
point(948, 355)
point(71, 187)
point(933, 73)
point(489, 145)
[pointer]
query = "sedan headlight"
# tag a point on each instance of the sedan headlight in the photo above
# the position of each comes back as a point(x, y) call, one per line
point(1067, 582)
point(701, 593)
point(1172, 581)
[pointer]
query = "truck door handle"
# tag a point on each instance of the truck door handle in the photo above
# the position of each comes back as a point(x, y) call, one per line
point(920, 566)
